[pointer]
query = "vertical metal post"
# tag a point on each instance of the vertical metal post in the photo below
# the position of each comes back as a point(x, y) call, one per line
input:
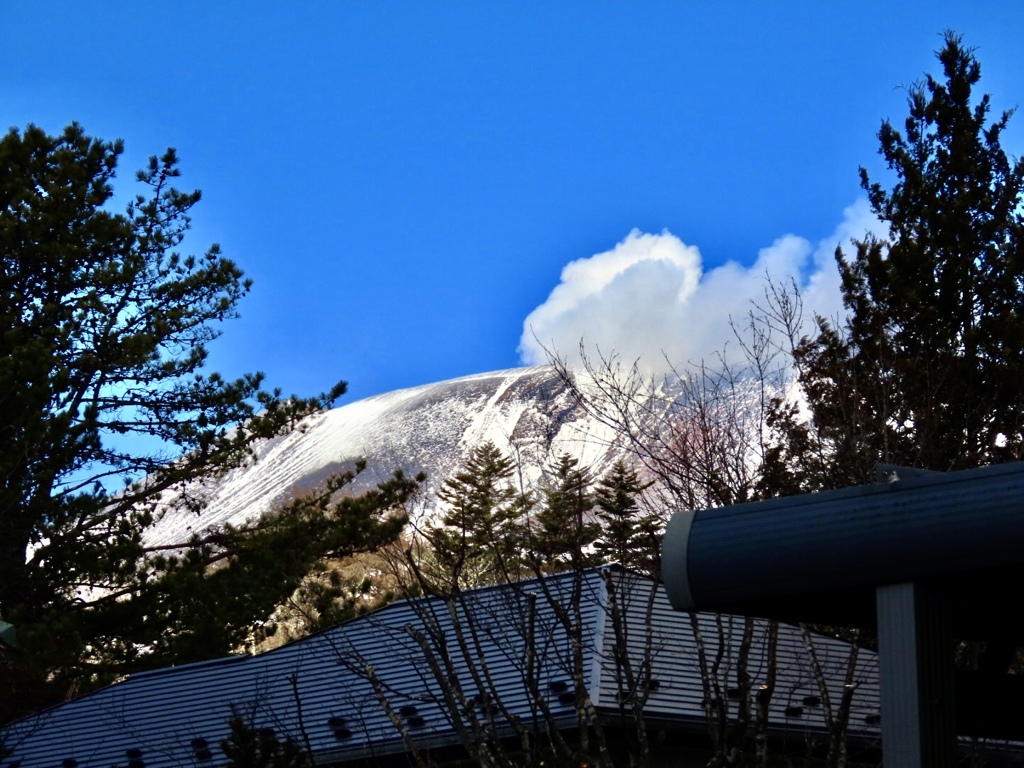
point(915, 648)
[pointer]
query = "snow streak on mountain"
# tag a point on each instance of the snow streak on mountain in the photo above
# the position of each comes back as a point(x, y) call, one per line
point(526, 412)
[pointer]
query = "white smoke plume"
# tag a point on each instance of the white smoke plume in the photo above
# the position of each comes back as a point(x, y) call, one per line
point(649, 299)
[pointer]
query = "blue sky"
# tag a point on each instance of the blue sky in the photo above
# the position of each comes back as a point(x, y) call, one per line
point(405, 181)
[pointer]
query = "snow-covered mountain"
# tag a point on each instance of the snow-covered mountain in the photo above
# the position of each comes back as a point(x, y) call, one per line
point(526, 412)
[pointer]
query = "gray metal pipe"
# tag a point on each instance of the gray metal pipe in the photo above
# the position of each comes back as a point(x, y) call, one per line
point(887, 533)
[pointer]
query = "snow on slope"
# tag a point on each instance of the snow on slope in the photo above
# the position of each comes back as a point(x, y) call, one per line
point(526, 412)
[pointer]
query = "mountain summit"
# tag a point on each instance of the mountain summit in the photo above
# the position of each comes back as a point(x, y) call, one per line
point(526, 412)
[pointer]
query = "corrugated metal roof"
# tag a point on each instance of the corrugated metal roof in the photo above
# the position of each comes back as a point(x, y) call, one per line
point(318, 690)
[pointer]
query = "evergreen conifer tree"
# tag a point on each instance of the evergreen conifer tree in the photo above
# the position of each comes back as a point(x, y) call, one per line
point(478, 539)
point(926, 370)
point(562, 531)
point(628, 536)
point(107, 419)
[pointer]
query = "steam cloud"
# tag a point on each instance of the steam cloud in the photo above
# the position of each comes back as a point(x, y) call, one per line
point(649, 299)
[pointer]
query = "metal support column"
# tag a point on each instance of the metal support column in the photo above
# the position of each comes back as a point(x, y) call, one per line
point(916, 674)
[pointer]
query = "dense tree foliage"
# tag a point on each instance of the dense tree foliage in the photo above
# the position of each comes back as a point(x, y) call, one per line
point(629, 536)
point(563, 529)
point(926, 370)
point(107, 420)
point(489, 530)
point(478, 538)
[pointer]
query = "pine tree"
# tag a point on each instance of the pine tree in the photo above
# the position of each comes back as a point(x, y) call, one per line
point(478, 539)
point(107, 417)
point(926, 371)
point(563, 532)
point(628, 536)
